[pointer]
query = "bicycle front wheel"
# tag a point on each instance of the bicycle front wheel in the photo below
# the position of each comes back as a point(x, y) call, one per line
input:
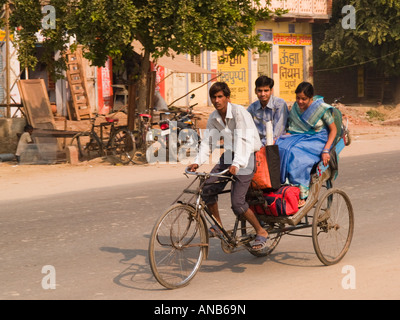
point(88, 147)
point(178, 245)
point(333, 226)
point(123, 146)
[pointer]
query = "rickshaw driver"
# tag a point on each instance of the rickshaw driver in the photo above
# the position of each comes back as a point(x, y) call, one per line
point(236, 121)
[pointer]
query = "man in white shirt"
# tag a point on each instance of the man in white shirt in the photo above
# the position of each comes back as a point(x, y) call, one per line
point(241, 141)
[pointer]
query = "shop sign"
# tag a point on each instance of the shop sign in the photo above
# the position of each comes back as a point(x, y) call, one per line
point(287, 39)
point(234, 71)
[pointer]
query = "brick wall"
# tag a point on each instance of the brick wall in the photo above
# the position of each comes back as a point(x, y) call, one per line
point(332, 85)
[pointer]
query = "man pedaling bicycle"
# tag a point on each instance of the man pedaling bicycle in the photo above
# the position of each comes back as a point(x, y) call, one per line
point(241, 140)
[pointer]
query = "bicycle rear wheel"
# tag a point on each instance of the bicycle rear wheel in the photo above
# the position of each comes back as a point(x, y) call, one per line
point(333, 226)
point(123, 145)
point(178, 245)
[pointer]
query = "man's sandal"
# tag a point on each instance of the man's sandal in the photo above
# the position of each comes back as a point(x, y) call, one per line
point(302, 203)
point(260, 242)
point(215, 232)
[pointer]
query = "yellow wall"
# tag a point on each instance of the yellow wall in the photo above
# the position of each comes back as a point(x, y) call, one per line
point(242, 76)
point(286, 80)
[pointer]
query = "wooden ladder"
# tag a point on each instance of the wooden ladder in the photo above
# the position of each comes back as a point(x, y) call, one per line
point(76, 80)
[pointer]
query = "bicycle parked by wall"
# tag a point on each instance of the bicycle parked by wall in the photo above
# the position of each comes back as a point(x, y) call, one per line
point(140, 134)
point(105, 139)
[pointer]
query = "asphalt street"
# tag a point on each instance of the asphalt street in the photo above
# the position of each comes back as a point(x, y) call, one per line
point(93, 245)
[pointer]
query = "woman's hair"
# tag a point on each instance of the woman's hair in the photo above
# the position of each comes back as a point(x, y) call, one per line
point(307, 88)
point(220, 86)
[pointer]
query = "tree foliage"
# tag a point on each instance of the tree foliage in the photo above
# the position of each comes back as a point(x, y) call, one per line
point(375, 39)
point(106, 28)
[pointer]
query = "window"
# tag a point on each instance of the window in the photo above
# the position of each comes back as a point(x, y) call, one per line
point(265, 34)
point(196, 59)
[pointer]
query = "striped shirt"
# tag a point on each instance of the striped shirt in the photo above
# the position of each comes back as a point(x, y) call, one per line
point(276, 111)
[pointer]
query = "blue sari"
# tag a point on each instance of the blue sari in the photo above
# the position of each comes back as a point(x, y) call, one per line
point(300, 150)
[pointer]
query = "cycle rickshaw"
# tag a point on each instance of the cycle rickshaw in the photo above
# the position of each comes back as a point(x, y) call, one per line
point(179, 241)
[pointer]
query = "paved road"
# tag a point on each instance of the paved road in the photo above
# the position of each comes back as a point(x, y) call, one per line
point(95, 243)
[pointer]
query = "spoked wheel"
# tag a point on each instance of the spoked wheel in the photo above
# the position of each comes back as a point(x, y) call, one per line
point(272, 242)
point(123, 146)
point(88, 148)
point(177, 246)
point(333, 226)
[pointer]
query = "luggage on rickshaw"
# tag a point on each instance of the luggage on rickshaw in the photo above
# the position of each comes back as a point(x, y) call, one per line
point(280, 203)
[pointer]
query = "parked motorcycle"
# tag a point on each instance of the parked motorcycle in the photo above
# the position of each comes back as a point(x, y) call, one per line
point(177, 139)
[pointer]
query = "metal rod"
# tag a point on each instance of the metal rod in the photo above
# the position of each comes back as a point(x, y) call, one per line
point(7, 18)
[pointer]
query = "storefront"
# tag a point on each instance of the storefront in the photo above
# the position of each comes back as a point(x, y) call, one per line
point(290, 60)
point(292, 65)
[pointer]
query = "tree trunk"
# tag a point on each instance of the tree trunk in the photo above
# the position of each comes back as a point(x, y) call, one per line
point(142, 83)
point(131, 106)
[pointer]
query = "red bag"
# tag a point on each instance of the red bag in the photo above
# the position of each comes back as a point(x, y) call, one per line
point(283, 202)
point(267, 175)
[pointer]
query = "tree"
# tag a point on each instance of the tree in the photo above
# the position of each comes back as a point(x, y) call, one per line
point(372, 41)
point(108, 27)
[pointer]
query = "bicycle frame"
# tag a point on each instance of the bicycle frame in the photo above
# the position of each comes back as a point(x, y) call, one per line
point(100, 138)
point(117, 143)
point(175, 260)
point(278, 225)
point(200, 206)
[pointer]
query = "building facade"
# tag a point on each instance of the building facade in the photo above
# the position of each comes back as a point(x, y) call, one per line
point(289, 62)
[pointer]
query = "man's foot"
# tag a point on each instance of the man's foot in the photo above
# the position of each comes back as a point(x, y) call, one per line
point(214, 232)
point(302, 202)
point(259, 243)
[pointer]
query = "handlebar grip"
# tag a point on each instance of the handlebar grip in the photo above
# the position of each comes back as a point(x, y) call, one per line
point(211, 174)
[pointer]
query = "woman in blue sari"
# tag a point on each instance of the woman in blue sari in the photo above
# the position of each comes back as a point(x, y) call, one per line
point(311, 132)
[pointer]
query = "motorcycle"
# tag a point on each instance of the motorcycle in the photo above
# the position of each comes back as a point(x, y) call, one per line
point(177, 139)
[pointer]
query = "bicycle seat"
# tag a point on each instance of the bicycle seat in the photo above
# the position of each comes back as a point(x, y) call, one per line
point(111, 120)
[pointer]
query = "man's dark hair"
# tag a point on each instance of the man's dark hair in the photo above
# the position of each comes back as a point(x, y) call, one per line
point(220, 86)
point(28, 127)
point(307, 88)
point(264, 81)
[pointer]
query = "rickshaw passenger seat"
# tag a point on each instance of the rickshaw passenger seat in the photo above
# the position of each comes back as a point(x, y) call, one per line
point(338, 119)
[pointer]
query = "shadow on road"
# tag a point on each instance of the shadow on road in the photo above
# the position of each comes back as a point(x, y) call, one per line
point(137, 274)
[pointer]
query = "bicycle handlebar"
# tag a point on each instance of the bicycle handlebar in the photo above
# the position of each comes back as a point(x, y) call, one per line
point(210, 174)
